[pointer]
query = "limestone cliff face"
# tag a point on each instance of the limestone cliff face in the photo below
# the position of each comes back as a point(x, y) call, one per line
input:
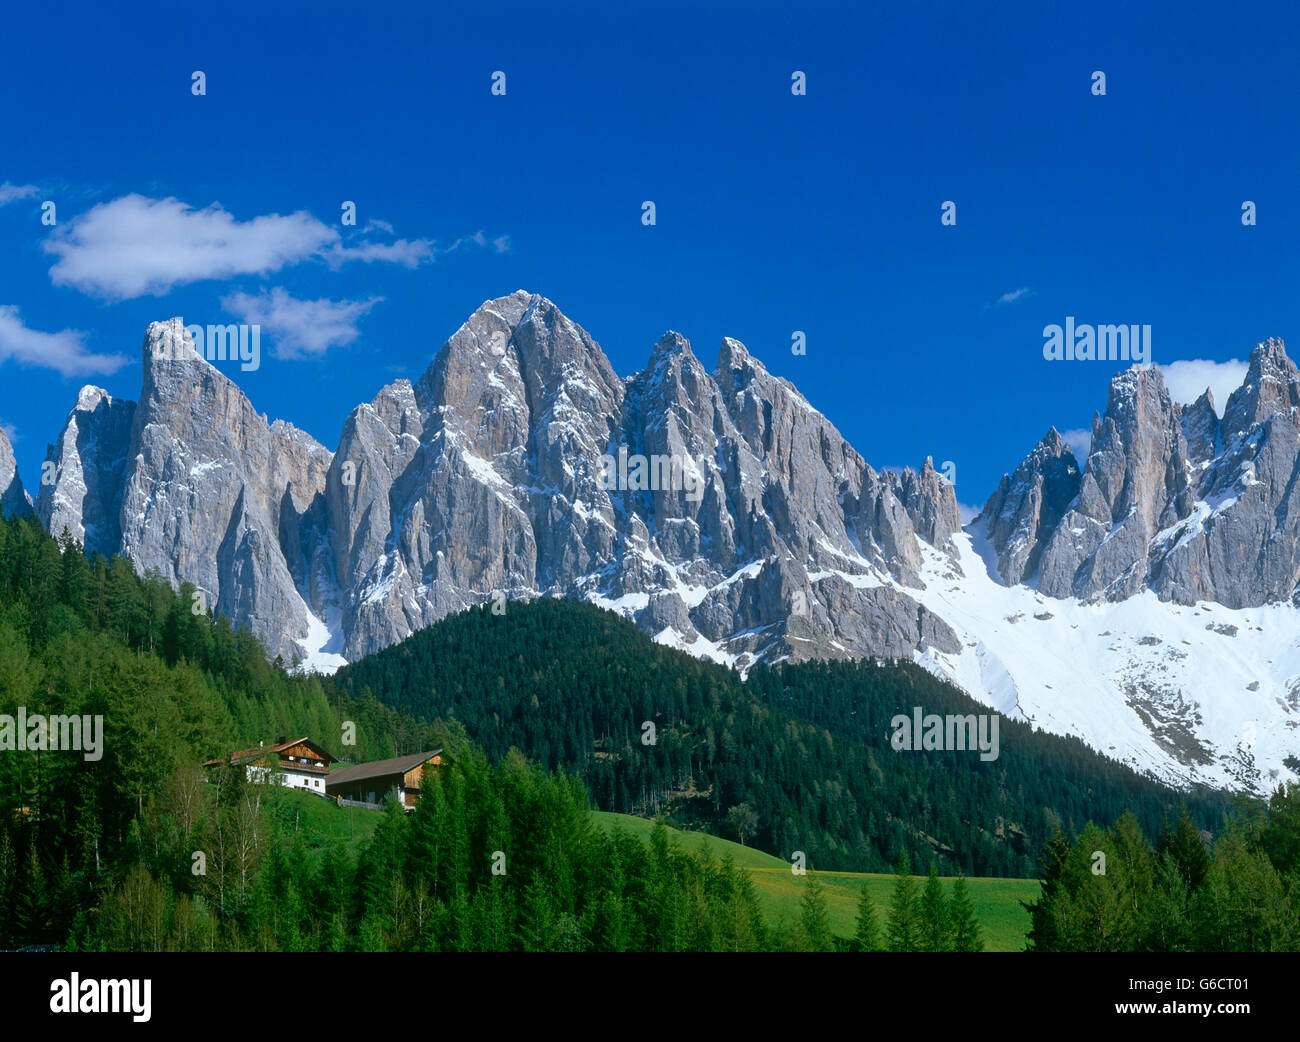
point(1027, 506)
point(192, 482)
point(488, 476)
point(13, 498)
point(1170, 499)
point(88, 463)
point(485, 477)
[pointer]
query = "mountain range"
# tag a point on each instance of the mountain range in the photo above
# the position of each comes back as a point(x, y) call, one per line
point(1144, 600)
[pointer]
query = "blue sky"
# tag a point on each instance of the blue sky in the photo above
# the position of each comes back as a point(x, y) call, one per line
point(775, 213)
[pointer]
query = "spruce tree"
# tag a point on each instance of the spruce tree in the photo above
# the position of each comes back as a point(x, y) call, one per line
point(904, 914)
point(966, 934)
point(1044, 933)
point(936, 932)
point(815, 933)
point(1184, 844)
point(867, 936)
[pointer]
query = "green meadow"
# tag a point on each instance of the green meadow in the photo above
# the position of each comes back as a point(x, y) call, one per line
point(1003, 919)
point(319, 823)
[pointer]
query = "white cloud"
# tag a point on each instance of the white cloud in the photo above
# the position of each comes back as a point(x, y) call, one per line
point(1080, 441)
point(967, 513)
point(65, 352)
point(10, 193)
point(1187, 380)
point(11, 432)
point(300, 328)
point(134, 245)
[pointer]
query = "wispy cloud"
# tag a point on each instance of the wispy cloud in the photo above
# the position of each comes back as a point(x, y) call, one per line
point(1080, 441)
point(407, 252)
point(500, 243)
point(300, 328)
point(11, 193)
point(1187, 380)
point(11, 432)
point(1010, 297)
point(134, 246)
point(65, 351)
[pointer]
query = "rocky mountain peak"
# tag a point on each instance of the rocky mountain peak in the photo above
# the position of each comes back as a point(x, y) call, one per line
point(169, 350)
point(1272, 385)
point(13, 498)
point(1028, 504)
point(89, 459)
point(732, 355)
point(1135, 483)
point(1201, 429)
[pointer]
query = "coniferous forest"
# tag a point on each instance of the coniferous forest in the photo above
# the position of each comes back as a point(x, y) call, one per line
point(541, 713)
point(804, 748)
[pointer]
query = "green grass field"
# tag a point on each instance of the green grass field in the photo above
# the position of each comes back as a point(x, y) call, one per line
point(320, 822)
point(997, 901)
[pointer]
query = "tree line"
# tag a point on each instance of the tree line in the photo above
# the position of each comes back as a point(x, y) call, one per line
point(1114, 890)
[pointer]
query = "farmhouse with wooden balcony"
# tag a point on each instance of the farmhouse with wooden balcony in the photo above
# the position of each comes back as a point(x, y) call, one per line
point(298, 764)
point(368, 784)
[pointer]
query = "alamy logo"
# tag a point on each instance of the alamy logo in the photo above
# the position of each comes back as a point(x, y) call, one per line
point(102, 996)
point(954, 733)
point(637, 473)
point(39, 733)
point(1101, 343)
point(232, 343)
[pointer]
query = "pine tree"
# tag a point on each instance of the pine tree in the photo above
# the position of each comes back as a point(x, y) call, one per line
point(904, 930)
point(1044, 933)
point(815, 933)
point(936, 931)
point(867, 936)
point(1184, 844)
point(966, 934)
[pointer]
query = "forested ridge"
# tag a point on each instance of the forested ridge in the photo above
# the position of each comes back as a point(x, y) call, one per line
point(800, 753)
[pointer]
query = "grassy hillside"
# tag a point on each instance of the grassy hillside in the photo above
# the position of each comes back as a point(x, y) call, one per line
point(319, 822)
point(997, 901)
point(744, 857)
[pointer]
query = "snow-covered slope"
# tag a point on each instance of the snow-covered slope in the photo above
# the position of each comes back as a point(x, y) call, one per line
point(1198, 693)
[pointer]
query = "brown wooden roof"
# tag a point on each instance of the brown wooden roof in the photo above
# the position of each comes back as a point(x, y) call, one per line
point(258, 751)
point(378, 768)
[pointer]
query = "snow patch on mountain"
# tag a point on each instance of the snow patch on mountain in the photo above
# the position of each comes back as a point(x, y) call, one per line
point(1188, 694)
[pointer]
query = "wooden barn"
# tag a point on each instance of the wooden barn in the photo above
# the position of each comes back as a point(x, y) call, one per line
point(299, 764)
point(369, 783)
